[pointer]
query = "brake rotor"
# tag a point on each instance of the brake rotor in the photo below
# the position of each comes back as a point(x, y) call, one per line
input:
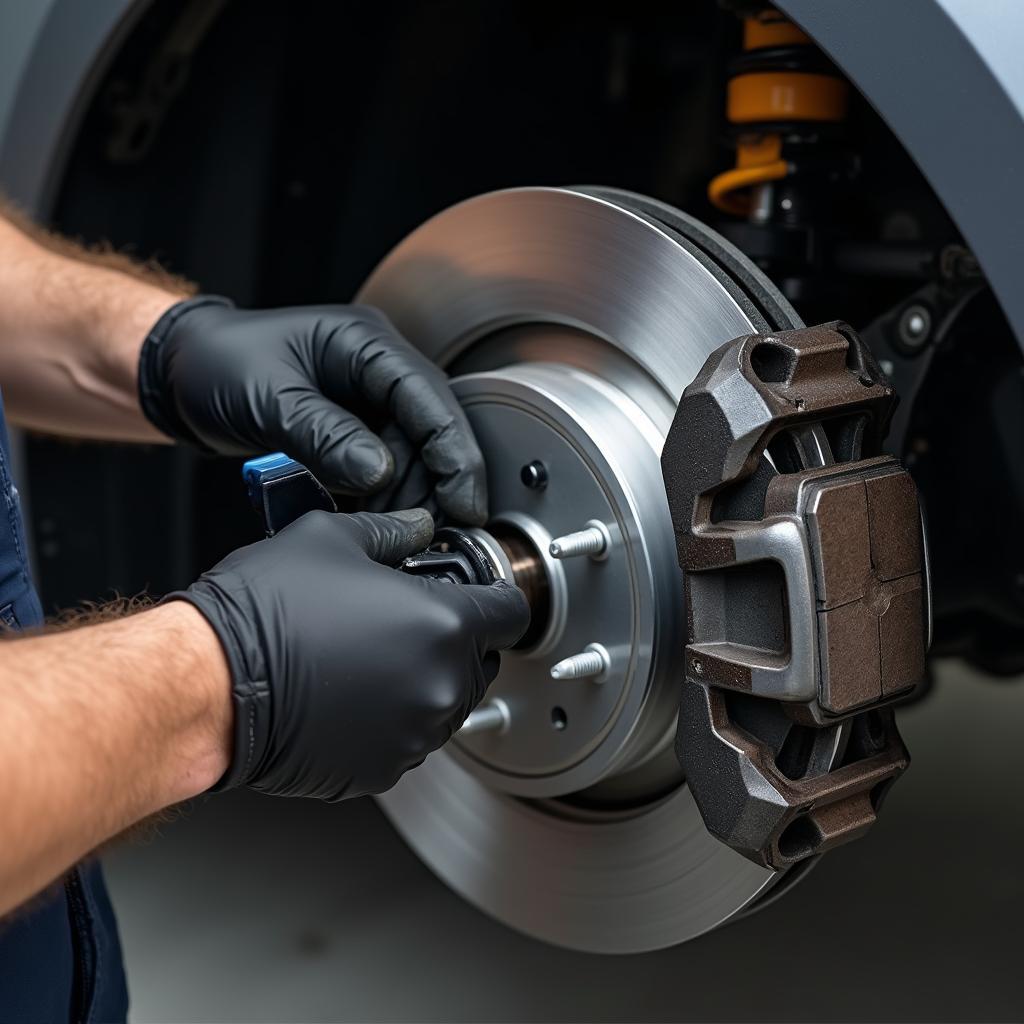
point(572, 321)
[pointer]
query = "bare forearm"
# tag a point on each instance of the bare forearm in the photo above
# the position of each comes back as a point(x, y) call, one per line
point(100, 727)
point(70, 335)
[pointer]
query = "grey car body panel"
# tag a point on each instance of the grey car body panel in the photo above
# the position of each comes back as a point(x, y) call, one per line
point(944, 74)
point(22, 23)
point(62, 48)
point(946, 77)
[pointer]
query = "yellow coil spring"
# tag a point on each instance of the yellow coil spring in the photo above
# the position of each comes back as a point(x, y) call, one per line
point(761, 97)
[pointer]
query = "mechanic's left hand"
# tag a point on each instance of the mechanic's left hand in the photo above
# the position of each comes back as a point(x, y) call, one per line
point(241, 382)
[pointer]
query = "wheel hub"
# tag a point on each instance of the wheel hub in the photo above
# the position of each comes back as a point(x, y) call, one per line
point(571, 323)
point(599, 453)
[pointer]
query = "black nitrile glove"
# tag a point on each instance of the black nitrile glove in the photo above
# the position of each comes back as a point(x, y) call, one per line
point(347, 672)
point(241, 382)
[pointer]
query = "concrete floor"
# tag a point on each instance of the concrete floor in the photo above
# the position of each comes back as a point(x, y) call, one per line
point(254, 909)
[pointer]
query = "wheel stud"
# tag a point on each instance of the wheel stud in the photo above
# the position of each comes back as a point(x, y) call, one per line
point(593, 662)
point(492, 716)
point(593, 540)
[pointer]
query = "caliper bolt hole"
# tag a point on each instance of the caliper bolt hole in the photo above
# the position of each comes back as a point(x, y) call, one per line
point(534, 475)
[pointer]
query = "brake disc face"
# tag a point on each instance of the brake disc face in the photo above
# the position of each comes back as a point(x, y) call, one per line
point(572, 322)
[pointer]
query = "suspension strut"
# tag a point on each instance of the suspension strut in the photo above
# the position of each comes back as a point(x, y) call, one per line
point(784, 97)
point(786, 109)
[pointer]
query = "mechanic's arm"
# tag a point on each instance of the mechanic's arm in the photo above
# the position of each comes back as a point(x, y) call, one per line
point(303, 665)
point(100, 727)
point(70, 334)
point(101, 351)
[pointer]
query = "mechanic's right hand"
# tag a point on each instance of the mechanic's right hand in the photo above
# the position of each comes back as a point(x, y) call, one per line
point(347, 672)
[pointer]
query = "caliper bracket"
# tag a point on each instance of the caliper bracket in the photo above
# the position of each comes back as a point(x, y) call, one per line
point(806, 590)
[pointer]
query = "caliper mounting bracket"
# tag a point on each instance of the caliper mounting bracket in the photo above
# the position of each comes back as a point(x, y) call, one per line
point(806, 585)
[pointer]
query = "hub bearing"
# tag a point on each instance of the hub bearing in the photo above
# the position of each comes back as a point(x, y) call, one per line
point(575, 319)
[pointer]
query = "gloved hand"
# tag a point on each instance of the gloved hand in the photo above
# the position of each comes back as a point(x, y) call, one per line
point(347, 672)
point(241, 382)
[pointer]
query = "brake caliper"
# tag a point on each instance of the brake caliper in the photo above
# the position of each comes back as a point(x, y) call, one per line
point(806, 590)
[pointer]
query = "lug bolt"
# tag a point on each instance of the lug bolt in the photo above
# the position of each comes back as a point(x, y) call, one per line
point(490, 717)
point(593, 662)
point(593, 540)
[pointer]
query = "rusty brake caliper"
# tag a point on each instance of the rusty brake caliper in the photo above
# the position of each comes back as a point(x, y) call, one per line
point(806, 591)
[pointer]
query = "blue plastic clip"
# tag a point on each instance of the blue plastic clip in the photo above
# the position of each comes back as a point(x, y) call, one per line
point(282, 489)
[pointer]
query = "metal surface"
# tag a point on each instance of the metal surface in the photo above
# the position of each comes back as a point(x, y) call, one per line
point(491, 716)
point(784, 734)
point(593, 662)
point(567, 310)
point(593, 540)
point(601, 453)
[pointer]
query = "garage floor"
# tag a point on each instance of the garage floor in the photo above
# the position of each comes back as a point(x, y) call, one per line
point(254, 909)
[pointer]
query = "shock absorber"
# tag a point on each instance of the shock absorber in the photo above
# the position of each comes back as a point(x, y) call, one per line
point(785, 101)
